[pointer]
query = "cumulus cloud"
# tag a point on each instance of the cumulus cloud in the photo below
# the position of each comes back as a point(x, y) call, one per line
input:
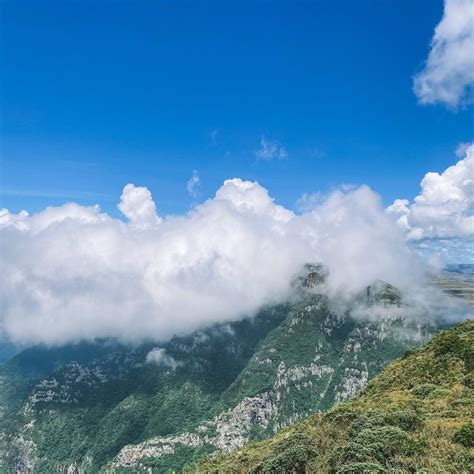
point(193, 184)
point(448, 76)
point(138, 206)
point(442, 252)
point(16, 220)
point(308, 201)
point(461, 149)
point(271, 149)
point(445, 207)
point(160, 357)
point(72, 272)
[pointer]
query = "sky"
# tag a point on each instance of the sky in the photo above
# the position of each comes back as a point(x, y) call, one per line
point(300, 96)
point(169, 165)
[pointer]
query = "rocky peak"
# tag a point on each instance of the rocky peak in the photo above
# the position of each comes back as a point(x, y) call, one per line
point(383, 293)
point(312, 276)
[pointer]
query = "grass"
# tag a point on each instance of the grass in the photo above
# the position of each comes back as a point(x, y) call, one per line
point(416, 416)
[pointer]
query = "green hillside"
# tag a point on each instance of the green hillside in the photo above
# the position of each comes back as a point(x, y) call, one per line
point(80, 404)
point(106, 406)
point(416, 416)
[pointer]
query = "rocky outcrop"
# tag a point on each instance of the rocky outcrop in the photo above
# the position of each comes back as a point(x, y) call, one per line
point(231, 430)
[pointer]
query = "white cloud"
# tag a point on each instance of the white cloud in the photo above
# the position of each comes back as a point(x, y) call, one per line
point(73, 272)
point(308, 201)
point(137, 205)
point(249, 196)
point(271, 149)
point(18, 221)
point(52, 216)
point(448, 76)
point(193, 184)
point(445, 206)
point(159, 357)
point(445, 251)
point(461, 149)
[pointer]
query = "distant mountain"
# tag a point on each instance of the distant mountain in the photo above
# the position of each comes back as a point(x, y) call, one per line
point(110, 407)
point(7, 350)
point(462, 268)
point(416, 416)
point(458, 283)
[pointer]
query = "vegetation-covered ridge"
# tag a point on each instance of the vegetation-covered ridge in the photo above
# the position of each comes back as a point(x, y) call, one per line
point(416, 416)
point(109, 407)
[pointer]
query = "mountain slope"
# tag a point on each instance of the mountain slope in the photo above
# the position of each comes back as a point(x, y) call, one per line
point(82, 403)
point(417, 415)
point(108, 406)
point(311, 360)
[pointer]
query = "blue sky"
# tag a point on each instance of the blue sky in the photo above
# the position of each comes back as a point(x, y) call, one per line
point(152, 105)
point(99, 94)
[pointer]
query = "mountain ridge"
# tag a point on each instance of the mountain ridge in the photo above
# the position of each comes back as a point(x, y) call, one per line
point(106, 406)
point(415, 416)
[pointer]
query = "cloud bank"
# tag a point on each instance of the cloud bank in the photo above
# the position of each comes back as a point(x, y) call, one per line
point(73, 272)
point(444, 209)
point(448, 75)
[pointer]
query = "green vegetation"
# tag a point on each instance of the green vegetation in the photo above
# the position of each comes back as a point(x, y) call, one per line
point(175, 461)
point(416, 416)
point(88, 405)
point(86, 419)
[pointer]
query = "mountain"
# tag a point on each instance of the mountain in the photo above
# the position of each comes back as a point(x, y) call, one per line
point(107, 406)
point(7, 350)
point(459, 285)
point(416, 416)
point(462, 268)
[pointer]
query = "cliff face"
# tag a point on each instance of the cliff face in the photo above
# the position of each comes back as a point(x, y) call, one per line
point(416, 416)
point(114, 407)
point(309, 362)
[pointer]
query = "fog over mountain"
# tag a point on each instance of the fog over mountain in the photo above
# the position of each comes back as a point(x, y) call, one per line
point(73, 272)
point(237, 237)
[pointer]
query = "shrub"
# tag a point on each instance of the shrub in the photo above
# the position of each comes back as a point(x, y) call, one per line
point(341, 416)
point(462, 402)
point(439, 393)
point(468, 357)
point(370, 420)
point(386, 441)
point(448, 343)
point(407, 420)
point(291, 455)
point(465, 436)
point(358, 453)
point(423, 390)
point(361, 468)
point(468, 380)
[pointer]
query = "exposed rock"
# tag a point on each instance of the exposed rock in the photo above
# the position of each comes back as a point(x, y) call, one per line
point(231, 427)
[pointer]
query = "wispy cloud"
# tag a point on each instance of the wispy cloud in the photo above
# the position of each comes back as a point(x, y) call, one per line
point(159, 356)
point(194, 184)
point(270, 150)
point(213, 134)
point(448, 76)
